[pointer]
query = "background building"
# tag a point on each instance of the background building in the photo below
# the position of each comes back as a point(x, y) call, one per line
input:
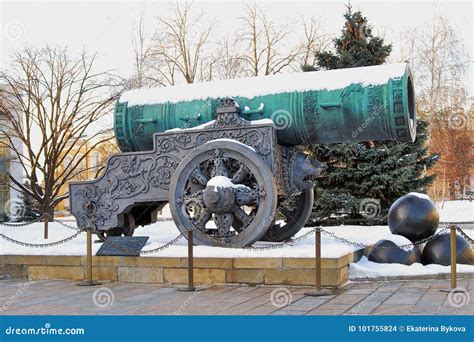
point(90, 167)
point(10, 199)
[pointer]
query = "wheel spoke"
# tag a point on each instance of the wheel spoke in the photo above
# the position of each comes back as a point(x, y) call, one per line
point(220, 168)
point(194, 197)
point(240, 174)
point(217, 214)
point(201, 220)
point(246, 196)
point(243, 217)
point(223, 223)
point(199, 176)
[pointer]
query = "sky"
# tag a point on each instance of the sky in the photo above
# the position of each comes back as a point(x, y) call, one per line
point(106, 27)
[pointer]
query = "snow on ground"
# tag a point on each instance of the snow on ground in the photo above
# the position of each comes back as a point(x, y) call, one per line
point(164, 231)
point(368, 269)
point(265, 85)
point(456, 211)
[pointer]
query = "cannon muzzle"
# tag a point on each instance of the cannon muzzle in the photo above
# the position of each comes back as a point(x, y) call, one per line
point(337, 106)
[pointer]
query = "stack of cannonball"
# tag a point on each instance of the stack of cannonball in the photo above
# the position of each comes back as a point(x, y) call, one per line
point(412, 218)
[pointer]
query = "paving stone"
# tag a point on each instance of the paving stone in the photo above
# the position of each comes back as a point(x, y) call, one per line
point(63, 297)
point(403, 299)
point(347, 299)
point(285, 312)
point(446, 311)
point(427, 310)
point(328, 312)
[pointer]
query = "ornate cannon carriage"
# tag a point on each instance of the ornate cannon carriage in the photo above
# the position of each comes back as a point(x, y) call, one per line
point(227, 169)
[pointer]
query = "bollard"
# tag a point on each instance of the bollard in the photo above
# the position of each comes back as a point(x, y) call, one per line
point(190, 286)
point(46, 225)
point(319, 291)
point(453, 258)
point(88, 281)
point(454, 280)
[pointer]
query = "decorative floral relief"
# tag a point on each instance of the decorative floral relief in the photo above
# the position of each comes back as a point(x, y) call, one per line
point(134, 175)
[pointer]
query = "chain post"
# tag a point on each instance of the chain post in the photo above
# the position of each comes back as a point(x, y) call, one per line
point(453, 289)
point(453, 257)
point(190, 286)
point(88, 281)
point(319, 291)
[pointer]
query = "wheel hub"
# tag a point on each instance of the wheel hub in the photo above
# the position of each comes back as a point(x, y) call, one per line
point(219, 199)
point(227, 183)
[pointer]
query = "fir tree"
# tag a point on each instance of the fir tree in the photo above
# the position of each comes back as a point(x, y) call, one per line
point(357, 172)
point(380, 171)
point(356, 46)
point(31, 206)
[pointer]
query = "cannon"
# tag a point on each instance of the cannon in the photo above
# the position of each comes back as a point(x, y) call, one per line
point(230, 156)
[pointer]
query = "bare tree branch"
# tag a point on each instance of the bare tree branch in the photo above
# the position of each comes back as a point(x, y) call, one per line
point(51, 101)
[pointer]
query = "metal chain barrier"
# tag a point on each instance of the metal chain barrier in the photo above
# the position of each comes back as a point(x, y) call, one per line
point(406, 246)
point(426, 240)
point(344, 240)
point(443, 223)
point(42, 245)
point(63, 223)
point(21, 224)
point(24, 224)
point(165, 246)
point(281, 245)
point(262, 248)
point(464, 235)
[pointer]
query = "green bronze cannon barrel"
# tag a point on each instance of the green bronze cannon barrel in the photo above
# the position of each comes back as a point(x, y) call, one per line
point(346, 105)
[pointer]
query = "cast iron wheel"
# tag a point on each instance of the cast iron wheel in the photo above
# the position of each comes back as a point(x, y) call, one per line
point(119, 231)
point(294, 219)
point(223, 181)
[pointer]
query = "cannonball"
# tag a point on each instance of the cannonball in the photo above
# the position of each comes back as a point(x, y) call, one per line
point(388, 251)
point(438, 251)
point(413, 216)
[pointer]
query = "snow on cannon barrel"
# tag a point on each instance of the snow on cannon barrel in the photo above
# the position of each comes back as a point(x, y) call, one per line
point(346, 105)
